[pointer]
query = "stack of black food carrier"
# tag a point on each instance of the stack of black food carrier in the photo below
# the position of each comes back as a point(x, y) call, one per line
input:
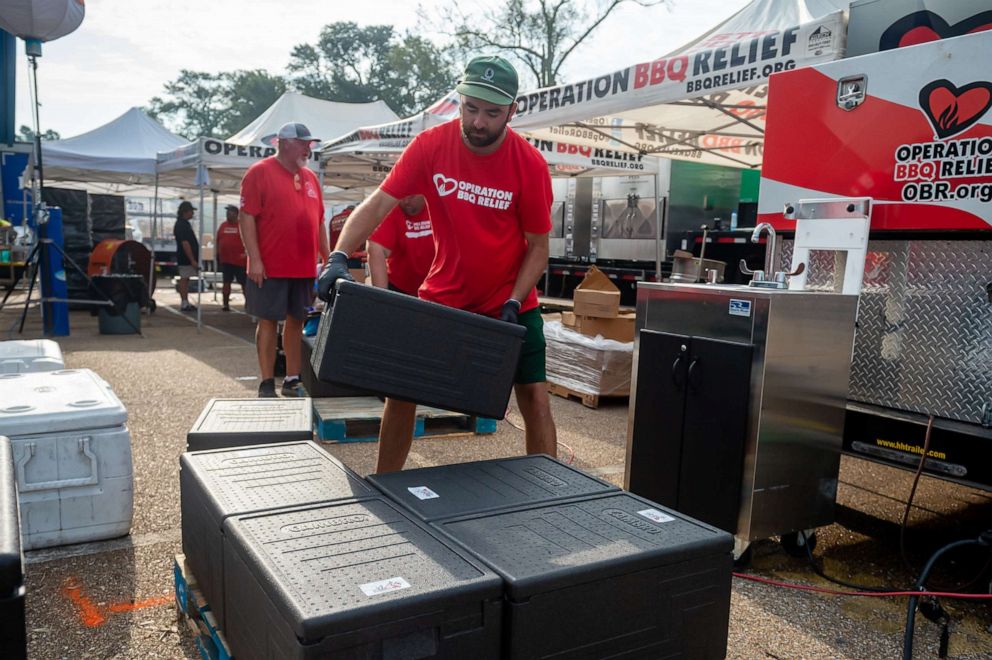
point(525, 557)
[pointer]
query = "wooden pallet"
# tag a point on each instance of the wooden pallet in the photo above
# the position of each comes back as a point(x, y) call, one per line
point(193, 609)
point(586, 399)
point(357, 419)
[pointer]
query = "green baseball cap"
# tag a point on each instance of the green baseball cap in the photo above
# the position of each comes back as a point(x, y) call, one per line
point(490, 78)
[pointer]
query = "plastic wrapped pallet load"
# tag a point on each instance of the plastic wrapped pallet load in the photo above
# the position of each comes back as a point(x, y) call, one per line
point(588, 365)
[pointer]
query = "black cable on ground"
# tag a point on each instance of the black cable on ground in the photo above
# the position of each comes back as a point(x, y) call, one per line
point(849, 585)
point(985, 540)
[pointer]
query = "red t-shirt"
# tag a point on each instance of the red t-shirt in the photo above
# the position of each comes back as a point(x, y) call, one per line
point(410, 242)
point(334, 232)
point(480, 207)
point(288, 212)
point(230, 249)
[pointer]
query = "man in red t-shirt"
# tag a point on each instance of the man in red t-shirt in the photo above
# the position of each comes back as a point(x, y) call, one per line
point(401, 249)
point(282, 224)
point(335, 225)
point(489, 195)
point(231, 254)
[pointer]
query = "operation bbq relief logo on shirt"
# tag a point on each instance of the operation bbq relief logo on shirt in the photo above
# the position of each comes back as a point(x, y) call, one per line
point(473, 193)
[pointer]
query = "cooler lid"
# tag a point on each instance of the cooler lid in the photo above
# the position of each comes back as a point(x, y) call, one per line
point(11, 566)
point(551, 546)
point(238, 416)
point(55, 401)
point(21, 349)
point(340, 567)
point(447, 491)
point(271, 476)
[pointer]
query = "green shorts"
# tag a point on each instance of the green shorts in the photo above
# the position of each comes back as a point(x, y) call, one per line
point(530, 367)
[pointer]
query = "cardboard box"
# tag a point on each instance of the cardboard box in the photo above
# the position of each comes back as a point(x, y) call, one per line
point(596, 296)
point(620, 328)
point(587, 365)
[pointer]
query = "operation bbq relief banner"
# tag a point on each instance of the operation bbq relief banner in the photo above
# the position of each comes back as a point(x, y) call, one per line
point(720, 62)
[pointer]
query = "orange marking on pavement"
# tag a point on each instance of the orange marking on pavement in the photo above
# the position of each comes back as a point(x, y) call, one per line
point(91, 615)
point(131, 606)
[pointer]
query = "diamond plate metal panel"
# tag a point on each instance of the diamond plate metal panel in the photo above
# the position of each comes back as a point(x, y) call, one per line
point(924, 336)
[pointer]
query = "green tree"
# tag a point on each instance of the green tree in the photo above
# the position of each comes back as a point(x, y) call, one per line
point(250, 93)
point(27, 134)
point(196, 104)
point(540, 34)
point(217, 105)
point(357, 64)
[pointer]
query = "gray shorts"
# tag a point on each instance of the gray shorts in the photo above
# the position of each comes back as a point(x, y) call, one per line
point(187, 271)
point(279, 297)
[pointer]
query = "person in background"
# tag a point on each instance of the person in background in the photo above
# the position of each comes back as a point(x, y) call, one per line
point(489, 195)
point(187, 252)
point(231, 254)
point(401, 249)
point(282, 227)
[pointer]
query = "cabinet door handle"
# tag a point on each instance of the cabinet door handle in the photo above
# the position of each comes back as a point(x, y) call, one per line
point(675, 373)
point(688, 375)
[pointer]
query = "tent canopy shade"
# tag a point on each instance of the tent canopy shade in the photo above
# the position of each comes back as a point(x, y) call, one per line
point(704, 102)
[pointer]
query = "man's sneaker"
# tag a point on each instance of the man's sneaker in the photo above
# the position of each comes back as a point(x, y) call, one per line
point(293, 388)
point(188, 307)
point(267, 389)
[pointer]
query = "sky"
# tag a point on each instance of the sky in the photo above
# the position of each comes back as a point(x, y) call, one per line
point(126, 50)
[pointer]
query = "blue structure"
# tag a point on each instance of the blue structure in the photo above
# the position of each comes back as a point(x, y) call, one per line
point(8, 79)
point(54, 315)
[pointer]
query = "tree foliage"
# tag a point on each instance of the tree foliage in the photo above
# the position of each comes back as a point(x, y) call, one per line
point(540, 34)
point(196, 104)
point(27, 134)
point(357, 64)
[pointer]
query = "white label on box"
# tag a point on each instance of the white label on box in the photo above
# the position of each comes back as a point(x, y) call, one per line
point(740, 307)
point(384, 586)
point(422, 492)
point(654, 515)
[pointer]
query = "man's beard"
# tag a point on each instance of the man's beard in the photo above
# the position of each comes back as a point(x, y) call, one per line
point(483, 139)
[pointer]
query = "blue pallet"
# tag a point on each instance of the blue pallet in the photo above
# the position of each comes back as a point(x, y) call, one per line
point(209, 640)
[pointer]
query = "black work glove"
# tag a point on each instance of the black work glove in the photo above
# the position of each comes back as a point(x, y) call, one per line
point(508, 312)
point(335, 269)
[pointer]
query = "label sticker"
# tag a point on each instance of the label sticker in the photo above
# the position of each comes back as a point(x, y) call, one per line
point(384, 586)
point(654, 515)
point(740, 307)
point(422, 492)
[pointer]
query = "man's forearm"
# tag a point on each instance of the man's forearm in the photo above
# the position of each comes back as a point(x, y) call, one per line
point(249, 236)
point(322, 243)
point(534, 264)
point(363, 221)
point(378, 270)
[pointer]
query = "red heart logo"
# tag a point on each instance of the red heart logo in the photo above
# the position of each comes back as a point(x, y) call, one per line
point(952, 109)
point(923, 26)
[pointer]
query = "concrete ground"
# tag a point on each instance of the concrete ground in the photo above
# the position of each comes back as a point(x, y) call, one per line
point(113, 599)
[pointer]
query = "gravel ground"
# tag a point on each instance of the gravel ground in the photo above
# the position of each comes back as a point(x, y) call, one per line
point(113, 599)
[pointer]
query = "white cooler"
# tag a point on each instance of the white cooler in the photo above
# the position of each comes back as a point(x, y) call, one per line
point(23, 355)
point(72, 456)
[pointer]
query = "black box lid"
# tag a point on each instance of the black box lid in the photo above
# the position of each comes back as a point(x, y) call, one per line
point(447, 491)
point(550, 546)
point(240, 416)
point(271, 476)
point(342, 566)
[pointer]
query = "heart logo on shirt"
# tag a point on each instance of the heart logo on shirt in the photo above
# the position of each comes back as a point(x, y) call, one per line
point(444, 185)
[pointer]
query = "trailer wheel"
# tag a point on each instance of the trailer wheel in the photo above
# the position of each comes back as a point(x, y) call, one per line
point(793, 543)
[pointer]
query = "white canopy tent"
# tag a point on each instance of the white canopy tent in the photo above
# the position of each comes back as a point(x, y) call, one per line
point(704, 102)
point(122, 152)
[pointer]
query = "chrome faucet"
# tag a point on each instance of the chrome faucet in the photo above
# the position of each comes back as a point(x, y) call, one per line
point(769, 248)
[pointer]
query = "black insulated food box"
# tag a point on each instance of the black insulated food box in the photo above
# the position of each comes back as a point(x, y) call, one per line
point(446, 491)
point(228, 423)
point(319, 389)
point(398, 346)
point(13, 639)
point(608, 576)
point(355, 580)
point(214, 485)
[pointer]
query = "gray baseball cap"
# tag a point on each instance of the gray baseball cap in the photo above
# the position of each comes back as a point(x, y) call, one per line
point(295, 131)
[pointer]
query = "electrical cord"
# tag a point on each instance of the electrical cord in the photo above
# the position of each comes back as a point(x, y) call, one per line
point(571, 452)
point(912, 494)
point(985, 540)
point(864, 594)
point(849, 585)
